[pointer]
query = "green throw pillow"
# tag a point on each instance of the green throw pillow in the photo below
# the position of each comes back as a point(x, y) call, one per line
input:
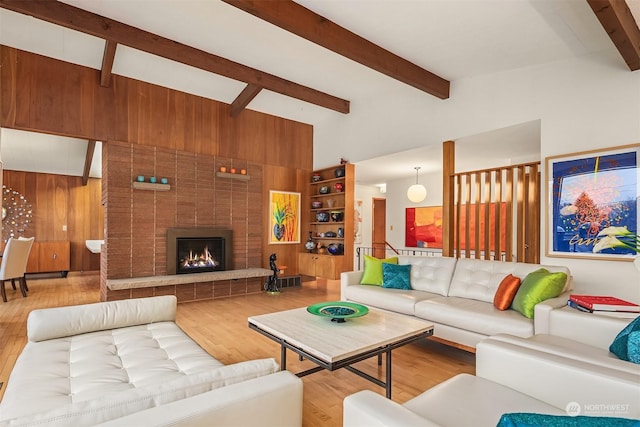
point(538, 286)
point(626, 345)
point(373, 270)
point(396, 276)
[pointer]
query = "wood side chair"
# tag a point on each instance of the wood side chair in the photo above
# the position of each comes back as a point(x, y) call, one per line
point(14, 264)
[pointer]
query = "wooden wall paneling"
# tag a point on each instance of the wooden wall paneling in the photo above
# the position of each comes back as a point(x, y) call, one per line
point(477, 180)
point(458, 212)
point(8, 86)
point(486, 248)
point(450, 209)
point(166, 205)
point(257, 199)
point(86, 222)
point(521, 188)
point(497, 206)
point(509, 219)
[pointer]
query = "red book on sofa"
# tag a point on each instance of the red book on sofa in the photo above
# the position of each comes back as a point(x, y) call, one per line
point(604, 303)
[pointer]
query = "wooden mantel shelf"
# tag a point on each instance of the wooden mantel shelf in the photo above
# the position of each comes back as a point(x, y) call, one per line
point(233, 176)
point(149, 186)
point(181, 279)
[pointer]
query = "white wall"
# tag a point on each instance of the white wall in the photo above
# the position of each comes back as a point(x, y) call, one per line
point(586, 103)
point(366, 194)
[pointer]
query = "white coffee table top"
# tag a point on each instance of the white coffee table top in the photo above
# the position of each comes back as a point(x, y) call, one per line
point(332, 341)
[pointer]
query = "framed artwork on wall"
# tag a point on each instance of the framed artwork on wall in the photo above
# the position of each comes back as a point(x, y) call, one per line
point(284, 217)
point(589, 192)
point(423, 227)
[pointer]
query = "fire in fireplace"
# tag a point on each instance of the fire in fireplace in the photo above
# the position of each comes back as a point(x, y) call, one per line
point(198, 255)
point(198, 250)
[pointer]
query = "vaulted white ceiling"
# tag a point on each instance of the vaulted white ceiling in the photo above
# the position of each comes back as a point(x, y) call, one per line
point(455, 39)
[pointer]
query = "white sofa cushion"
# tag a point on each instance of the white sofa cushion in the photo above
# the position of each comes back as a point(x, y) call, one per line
point(465, 400)
point(571, 349)
point(61, 322)
point(479, 279)
point(473, 315)
point(430, 274)
point(398, 300)
point(115, 405)
point(79, 368)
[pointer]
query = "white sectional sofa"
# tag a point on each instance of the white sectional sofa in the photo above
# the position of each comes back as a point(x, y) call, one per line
point(128, 363)
point(543, 374)
point(456, 295)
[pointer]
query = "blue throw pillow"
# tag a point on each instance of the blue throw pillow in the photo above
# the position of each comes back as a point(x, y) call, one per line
point(396, 276)
point(519, 419)
point(626, 345)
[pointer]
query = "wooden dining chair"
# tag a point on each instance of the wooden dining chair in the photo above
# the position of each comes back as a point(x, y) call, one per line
point(14, 264)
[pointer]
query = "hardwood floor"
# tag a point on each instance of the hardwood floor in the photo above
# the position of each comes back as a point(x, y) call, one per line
point(220, 327)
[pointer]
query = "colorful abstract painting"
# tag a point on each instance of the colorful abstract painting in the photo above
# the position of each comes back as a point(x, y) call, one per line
point(284, 217)
point(423, 227)
point(588, 193)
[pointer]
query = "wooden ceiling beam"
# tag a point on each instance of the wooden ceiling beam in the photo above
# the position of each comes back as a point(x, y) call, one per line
point(307, 24)
point(107, 63)
point(91, 146)
point(245, 97)
point(617, 20)
point(99, 26)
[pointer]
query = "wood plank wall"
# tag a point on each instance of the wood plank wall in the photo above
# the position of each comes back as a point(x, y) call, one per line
point(57, 201)
point(46, 95)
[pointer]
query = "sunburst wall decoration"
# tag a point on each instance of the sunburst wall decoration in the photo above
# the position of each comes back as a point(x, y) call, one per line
point(16, 213)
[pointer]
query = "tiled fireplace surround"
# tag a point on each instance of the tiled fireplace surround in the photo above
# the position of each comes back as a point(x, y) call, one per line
point(136, 221)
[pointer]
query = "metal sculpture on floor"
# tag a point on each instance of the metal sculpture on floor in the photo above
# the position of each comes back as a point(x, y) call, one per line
point(271, 284)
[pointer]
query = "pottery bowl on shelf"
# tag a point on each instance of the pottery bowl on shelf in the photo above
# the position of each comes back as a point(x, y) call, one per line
point(337, 216)
point(324, 189)
point(339, 187)
point(322, 216)
point(316, 204)
point(339, 173)
point(316, 177)
point(336, 249)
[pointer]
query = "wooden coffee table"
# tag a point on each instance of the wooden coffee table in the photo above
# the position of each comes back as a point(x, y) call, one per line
point(333, 345)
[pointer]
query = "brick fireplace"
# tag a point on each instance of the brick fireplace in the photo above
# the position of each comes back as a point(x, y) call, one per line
point(137, 222)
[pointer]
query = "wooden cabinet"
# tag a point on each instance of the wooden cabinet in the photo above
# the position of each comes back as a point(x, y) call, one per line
point(51, 256)
point(331, 208)
point(312, 264)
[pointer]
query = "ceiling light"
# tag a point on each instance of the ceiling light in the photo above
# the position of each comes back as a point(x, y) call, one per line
point(417, 193)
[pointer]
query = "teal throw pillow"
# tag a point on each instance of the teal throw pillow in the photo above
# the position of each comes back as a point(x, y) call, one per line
point(396, 276)
point(626, 345)
point(520, 419)
point(538, 286)
point(372, 274)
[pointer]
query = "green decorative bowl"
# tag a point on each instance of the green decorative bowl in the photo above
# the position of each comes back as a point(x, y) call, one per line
point(338, 311)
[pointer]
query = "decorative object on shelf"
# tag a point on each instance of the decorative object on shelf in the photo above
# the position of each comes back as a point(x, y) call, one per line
point(340, 232)
point(330, 202)
point(321, 249)
point(338, 311)
point(416, 193)
point(316, 177)
point(322, 216)
point(330, 234)
point(591, 197)
point(310, 244)
point(140, 178)
point(284, 217)
point(232, 170)
point(243, 171)
point(153, 180)
point(324, 189)
point(18, 213)
point(339, 187)
point(336, 249)
point(271, 284)
point(223, 169)
point(316, 204)
point(337, 216)
point(338, 173)
point(343, 161)
point(164, 181)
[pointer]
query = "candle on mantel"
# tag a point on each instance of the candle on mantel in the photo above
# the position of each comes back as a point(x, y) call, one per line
point(223, 169)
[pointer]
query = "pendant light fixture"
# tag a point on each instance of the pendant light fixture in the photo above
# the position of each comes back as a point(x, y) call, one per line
point(417, 193)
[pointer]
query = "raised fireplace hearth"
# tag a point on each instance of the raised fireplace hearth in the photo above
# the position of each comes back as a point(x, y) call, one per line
point(199, 250)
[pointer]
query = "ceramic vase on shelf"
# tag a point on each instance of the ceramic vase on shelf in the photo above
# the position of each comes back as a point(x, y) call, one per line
point(310, 245)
